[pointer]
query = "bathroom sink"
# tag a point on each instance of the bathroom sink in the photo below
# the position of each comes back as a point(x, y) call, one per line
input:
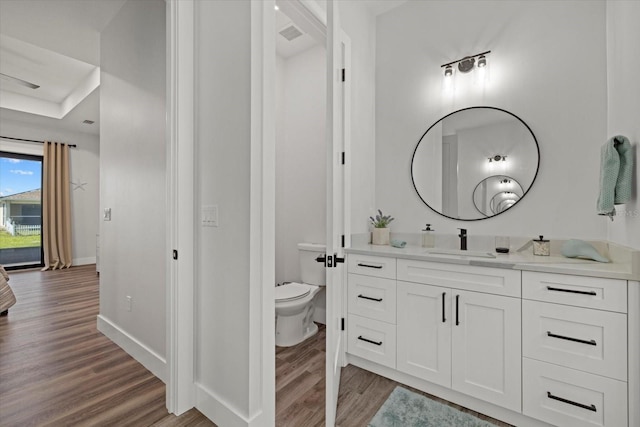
point(459, 253)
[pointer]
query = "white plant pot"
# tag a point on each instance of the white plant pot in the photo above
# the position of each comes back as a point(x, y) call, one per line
point(380, 236)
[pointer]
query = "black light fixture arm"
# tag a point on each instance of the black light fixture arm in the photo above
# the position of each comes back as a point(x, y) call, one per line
point(470, 56)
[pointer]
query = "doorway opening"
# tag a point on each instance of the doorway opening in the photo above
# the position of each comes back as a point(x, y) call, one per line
point(20, 210)
point(301, 203)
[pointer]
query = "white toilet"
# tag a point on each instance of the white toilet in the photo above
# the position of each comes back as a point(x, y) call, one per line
point(294, 301)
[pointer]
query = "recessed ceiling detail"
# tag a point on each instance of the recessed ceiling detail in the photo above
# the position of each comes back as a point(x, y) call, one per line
point(63, 82)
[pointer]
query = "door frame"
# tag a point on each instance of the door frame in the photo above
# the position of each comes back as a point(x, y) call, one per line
point(182, 212)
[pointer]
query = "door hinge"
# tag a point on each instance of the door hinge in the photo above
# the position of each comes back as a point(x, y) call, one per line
point(342, 324)
point(342, 159)
point(175, 254)
point(343, 75)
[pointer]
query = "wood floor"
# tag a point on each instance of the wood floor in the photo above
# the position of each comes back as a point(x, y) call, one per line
point(56, 369)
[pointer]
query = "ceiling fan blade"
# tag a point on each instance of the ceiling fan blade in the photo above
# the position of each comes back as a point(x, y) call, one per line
point(18, 81)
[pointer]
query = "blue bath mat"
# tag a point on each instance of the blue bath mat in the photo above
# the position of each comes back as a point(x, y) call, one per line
point(404, 408)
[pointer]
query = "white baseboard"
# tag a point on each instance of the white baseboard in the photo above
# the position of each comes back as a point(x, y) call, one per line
point(217, 410)
point(143, 354)
point(84, 261)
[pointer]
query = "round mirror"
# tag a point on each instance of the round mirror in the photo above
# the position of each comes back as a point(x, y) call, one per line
point(495, 194)
point(461, 159)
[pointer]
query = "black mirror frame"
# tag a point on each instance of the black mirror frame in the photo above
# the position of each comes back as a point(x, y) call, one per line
point(457, 111)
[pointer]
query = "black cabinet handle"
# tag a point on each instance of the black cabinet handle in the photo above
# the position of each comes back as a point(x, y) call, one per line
point(562, 337)
point(369, 266)
point(369, 298)
point(571, 402)
point(444, 319)
point(457, 309)
point(361, 338)
point(571, 291)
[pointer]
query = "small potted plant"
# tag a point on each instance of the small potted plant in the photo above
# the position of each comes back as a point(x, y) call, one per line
point(380, 233)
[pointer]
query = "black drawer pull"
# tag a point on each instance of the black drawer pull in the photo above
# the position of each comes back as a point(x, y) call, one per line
point(369, 341)
point(457, 309)
point(370, 266)
point(571, 291)
point(562, 337)
point(570, 402)
point(444, 319)
point(370, 298)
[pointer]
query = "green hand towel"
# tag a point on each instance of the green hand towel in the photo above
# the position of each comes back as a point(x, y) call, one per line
point(616, 165)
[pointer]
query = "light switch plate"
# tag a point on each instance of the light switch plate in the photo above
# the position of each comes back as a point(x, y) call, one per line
point(106, 214)
point(210, 216)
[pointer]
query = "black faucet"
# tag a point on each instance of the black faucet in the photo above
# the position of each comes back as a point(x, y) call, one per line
point(463, 239)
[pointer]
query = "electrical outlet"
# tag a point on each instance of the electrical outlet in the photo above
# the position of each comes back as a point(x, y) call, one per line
point(106, 214)
point(128, 303)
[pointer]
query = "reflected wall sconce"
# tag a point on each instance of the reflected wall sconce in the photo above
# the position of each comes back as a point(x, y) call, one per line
point(467, 63)
point(505, 181)
point(497, 158)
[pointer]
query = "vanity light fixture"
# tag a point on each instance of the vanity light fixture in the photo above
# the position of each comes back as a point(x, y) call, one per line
point(497, 158)
point(448, 71)
point(505, 181)
point(467, 63)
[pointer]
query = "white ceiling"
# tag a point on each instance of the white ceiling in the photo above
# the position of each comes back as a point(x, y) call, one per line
point(56, 45)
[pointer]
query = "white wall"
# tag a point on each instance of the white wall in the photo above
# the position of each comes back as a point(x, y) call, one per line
point(623, 61)
point(300, 158)
point(83, 162)
point(538, 71)
point(132, 177)
point(223, 178)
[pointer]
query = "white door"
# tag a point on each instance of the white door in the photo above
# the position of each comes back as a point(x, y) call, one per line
point(486, 350)
point(337, 140)
point(424, 332)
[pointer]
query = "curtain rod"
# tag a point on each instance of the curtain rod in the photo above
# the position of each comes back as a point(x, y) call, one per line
point(32, 140)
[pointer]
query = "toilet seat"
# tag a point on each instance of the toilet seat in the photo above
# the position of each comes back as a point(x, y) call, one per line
point(291, 292)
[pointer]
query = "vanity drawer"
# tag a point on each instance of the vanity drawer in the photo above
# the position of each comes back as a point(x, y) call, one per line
point(580, 291)
point(480, 279)
point(369, 265)
point(372, 297)
point(372, 340)
point(569, 398)
point(589, 340)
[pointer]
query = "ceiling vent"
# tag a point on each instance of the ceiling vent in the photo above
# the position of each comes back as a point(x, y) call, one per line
point(290, 32)
point(88, 122)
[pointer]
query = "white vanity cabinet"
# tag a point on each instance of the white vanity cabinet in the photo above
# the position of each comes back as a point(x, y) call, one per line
point(574, 332)
point(533, 348)
point(465, 340)
point(371, 303)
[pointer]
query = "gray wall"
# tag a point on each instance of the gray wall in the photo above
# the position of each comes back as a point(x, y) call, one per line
point(132, 174)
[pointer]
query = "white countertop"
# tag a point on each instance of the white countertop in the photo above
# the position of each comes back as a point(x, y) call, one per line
point(625, 264)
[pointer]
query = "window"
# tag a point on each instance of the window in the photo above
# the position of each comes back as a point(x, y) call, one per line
point(20, 210)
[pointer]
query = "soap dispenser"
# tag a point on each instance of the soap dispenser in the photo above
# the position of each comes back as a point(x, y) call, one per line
point(428, 238)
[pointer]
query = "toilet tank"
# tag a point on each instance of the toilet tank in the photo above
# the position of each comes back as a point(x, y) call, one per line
point(311, 271)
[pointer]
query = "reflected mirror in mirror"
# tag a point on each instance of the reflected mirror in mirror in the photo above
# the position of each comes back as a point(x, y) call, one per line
point(495, 194)
point(467, 148)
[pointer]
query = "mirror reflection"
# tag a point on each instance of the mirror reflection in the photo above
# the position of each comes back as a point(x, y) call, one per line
point(495, 194)
point(460, 161)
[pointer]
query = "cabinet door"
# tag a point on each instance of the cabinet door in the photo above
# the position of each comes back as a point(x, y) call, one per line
point(424, 332)
point(486, 350)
